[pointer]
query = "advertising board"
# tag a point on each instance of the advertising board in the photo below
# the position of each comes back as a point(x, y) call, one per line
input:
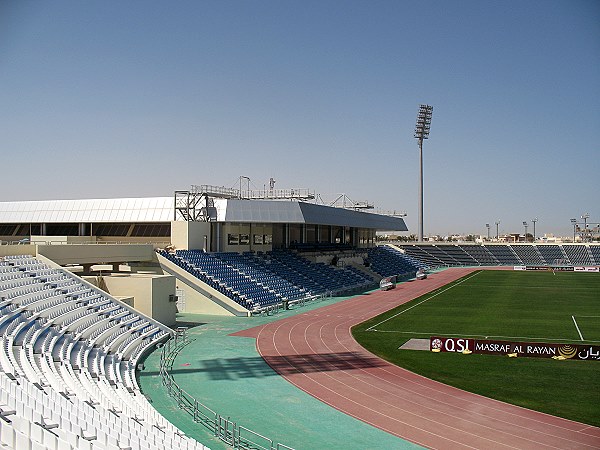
point(527, 349)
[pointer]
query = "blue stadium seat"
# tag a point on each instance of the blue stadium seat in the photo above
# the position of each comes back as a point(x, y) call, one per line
point(256, 281)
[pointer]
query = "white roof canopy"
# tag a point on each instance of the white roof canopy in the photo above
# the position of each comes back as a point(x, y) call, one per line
point(161, 209)
point(151, 209)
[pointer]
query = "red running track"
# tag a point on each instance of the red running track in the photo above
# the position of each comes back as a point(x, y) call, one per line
point(316, 352)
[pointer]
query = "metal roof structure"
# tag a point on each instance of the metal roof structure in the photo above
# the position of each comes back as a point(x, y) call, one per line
point(161, 209)
point(265, 211)
point(108, 210)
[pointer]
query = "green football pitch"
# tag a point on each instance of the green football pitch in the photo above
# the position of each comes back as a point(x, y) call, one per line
point(561, 307)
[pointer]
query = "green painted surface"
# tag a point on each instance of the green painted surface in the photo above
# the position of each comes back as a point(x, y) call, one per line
point(227, 374)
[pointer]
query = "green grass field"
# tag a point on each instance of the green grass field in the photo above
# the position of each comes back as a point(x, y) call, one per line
point(503, 305)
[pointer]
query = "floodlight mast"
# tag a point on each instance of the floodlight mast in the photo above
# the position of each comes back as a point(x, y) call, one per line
point(421, 133)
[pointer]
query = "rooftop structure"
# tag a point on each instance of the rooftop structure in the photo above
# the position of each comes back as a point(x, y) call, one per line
point(205, 217)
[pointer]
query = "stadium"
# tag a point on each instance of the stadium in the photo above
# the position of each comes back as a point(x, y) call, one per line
point(182, 263)
point(224, 318)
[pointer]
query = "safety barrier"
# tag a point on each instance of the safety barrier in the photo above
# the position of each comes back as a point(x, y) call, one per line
point(237, 436)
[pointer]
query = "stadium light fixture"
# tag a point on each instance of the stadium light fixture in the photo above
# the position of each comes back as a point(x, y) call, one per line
point(525, 225)
point(585, 217)
point(487, 225)
point(534, 221)
point(574, 222)
point(497, 234)
point(421, 133)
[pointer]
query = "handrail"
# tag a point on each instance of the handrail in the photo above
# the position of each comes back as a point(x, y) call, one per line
point(228, 431)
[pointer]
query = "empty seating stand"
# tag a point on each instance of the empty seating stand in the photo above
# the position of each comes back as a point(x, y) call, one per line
point(321, 278)
point(67, 366)
point(458, 254)
point(257, 281)
point(595, 252)
point(579, 254)
point(481, 254)
point(387, 261)
point(528, 254)
point(504, 254)
point(553, 254)
point(439, 255)
point(420, 254)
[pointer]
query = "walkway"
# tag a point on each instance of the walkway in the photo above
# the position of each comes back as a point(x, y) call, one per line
point(228, 375)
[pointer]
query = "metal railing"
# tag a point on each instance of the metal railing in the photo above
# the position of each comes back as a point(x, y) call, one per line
point(270, 310)
point(249, 194)
point(233, 434)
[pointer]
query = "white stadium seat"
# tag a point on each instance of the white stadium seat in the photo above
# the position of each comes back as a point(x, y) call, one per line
point(67, 360)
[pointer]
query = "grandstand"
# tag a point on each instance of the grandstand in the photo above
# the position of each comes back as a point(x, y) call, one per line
point(504, 254)
point(595, 253)
point(68, 359)
point(258, 280)
point(76, 319)
point(296, 244)
point(481, 254)
point(388, 261)
point(70, 350)
point(578, 254)
point(446, 255)
point(238, 253)
point(528, 254)
point(552, 254)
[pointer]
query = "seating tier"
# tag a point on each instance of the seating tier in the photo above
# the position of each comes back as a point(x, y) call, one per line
point(256, 281)
point(67, 366)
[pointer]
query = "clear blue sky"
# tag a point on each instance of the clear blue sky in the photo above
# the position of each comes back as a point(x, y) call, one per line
point(139, 98)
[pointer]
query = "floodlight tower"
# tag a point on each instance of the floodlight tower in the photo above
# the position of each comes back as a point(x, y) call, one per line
point(534, 221)
point(525, 224)
point(585, 217)
point(497, 223)
point(422, 133)
point(574, 222)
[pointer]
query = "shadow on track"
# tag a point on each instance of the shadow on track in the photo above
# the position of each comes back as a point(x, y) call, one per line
point(257, 367)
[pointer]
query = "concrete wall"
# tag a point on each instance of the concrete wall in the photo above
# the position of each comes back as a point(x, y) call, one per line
point(199, 301)
point(200, 298)
point(127, 300)
point(97, 254)
point(163, 287)
point(150, 293)
point(11, 250)
point(190, 235)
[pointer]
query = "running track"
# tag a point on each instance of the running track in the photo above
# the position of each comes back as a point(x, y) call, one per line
point(315, 351)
